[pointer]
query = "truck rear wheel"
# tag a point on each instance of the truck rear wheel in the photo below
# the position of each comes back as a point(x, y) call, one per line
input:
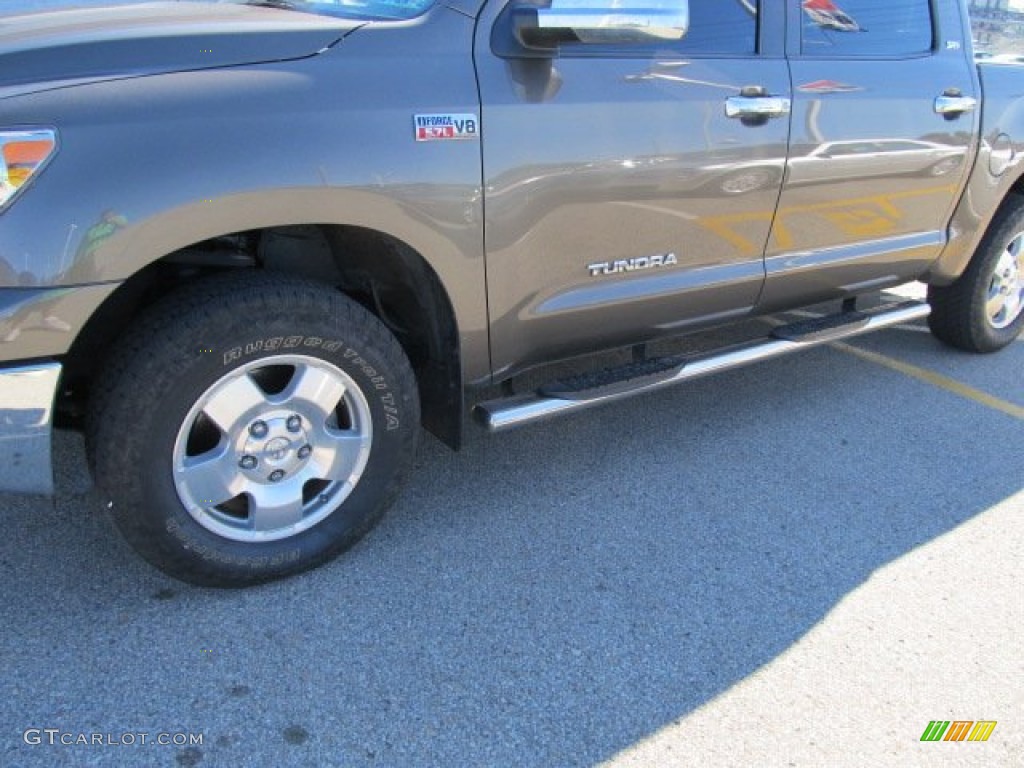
point(251, 427)
point(984, 309)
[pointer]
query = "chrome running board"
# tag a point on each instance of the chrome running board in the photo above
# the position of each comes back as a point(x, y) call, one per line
point(616, 384)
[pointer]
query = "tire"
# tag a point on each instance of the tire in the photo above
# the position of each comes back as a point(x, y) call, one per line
point(251, 427)
point(983, 310)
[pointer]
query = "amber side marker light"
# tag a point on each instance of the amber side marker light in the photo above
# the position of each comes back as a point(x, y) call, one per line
point(22, 155)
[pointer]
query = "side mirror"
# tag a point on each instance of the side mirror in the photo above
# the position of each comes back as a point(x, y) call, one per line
point(540, 29)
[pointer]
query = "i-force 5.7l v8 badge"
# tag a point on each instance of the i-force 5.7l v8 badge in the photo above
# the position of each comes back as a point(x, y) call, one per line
point(440, 127)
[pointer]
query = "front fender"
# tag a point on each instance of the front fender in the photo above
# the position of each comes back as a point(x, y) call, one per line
point(150, 165)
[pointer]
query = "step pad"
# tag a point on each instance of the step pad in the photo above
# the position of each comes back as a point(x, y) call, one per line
point(612, 381)
point(821, 328)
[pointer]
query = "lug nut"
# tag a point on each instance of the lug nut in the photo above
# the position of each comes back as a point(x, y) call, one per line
point(294, 423)
point(248, 462)
point(259, 429)
point(304, 451)
point(276, 475)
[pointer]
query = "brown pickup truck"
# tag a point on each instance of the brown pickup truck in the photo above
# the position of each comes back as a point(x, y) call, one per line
point(250, 247)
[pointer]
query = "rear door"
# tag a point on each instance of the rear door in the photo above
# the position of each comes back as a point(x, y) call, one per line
point(883, 128)
point(623, 202)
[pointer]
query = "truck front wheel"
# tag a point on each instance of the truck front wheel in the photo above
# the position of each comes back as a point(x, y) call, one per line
point(984, 309)
point(252, 427)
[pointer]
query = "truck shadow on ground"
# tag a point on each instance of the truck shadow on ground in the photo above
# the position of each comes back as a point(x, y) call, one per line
point(546, 597)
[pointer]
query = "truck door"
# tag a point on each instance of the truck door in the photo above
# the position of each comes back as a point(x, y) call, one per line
point(883, 130)
point(614, 173)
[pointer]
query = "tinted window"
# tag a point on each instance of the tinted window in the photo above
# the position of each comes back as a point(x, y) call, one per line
point(866, 27)
point(717, 27)
point(722, 26)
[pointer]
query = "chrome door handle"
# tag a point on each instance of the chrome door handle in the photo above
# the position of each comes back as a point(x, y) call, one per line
point(756, 106)
point(954, 105)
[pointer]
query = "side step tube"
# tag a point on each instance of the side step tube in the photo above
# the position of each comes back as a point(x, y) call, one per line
point(498, 415)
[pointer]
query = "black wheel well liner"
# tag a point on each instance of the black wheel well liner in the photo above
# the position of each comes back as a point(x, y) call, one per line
point(387, 276)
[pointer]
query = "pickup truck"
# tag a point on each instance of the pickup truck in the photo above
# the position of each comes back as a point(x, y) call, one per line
point(251, 247)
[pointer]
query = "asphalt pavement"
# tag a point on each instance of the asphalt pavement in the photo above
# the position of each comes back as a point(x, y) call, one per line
point(801, 563)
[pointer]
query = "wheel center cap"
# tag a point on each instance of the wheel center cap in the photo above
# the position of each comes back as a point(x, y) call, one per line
point(276, 450)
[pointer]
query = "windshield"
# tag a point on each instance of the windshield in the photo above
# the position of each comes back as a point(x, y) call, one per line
point(347, 9)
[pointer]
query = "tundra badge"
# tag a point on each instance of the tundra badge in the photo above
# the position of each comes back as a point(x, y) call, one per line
point(631, 265)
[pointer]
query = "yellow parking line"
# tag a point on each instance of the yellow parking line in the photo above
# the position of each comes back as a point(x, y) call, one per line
point(935, 379)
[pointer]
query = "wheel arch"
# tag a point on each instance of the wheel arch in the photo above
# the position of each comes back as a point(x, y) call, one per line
point(996, 178)
point(386, 274)
point(981, 204)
